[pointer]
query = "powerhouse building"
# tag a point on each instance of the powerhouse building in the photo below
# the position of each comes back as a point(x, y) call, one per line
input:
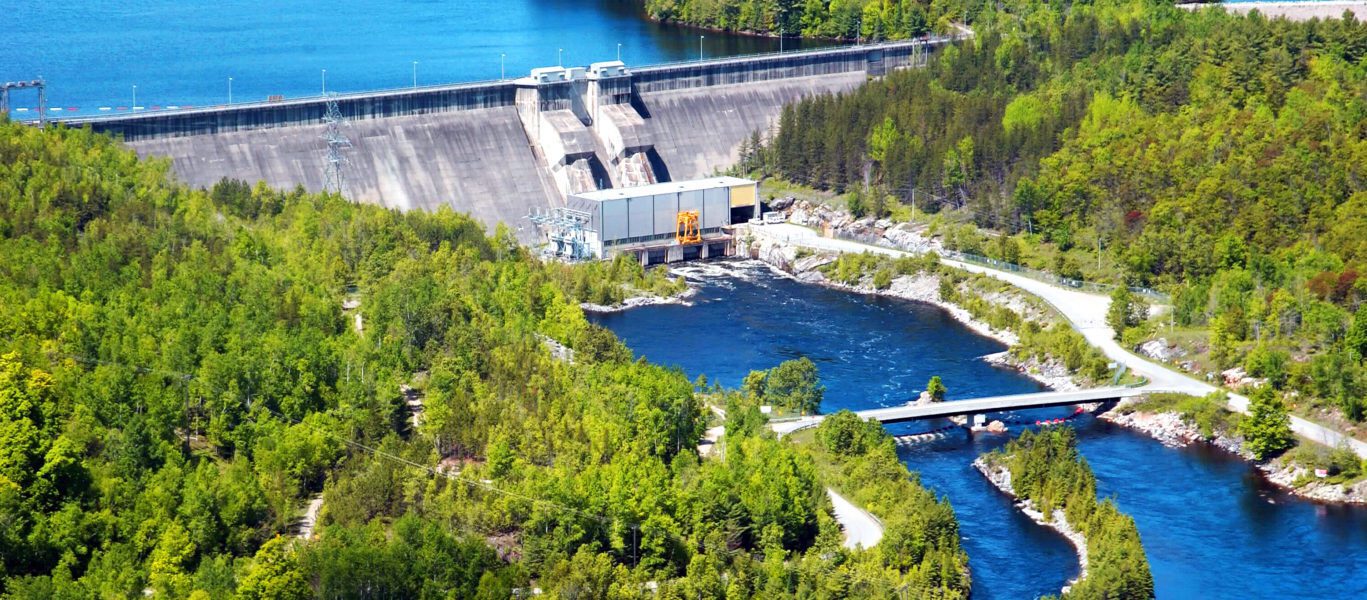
point(666, 222)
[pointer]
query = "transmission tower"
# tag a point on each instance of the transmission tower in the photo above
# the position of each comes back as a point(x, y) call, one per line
point(334, 171)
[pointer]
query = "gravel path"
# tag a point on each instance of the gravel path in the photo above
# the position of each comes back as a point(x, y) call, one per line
point(861, 529)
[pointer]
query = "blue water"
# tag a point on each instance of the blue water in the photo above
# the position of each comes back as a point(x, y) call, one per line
point(1212, 528)
point(182, 53)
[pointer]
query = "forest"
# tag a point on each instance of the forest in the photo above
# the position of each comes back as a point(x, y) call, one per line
point(1047, 470)
point(1219, 158)
point(833, 19)
point(184, 371)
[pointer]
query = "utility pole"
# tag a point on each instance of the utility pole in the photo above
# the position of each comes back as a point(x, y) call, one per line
point(560, 57)
point(619, 52)
point(415, 74)
point(230, 91)
point(135, 97)
point(325, 82)
point(501, 58)
point(700, 39)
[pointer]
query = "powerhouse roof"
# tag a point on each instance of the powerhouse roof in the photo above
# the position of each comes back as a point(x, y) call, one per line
point(669, 187)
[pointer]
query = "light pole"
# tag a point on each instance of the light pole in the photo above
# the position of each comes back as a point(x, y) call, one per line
point(325, 82)
point(135, 97)
point(230, 90)
point(560, 57)
point(700, 39)
point(619, 52)
point(415, 74)
point(501, 72)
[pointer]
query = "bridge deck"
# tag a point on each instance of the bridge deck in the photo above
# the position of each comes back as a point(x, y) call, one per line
point(976, 406)
point(940, 410)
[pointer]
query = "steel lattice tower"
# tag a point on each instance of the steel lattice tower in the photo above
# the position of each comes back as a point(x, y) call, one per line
point(334, 172)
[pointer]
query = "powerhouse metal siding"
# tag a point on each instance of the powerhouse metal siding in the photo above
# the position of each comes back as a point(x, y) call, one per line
point(640, 215)
point(666, 209)
point(717, 208)
point(691, 200)
point(614, 220)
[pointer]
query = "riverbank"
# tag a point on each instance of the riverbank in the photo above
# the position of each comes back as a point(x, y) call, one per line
point(791, 260)
point(644, 299)
point(1174, 431)
point(1000, 477)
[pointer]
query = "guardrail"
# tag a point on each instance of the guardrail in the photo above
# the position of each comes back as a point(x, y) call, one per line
point(1001, 265)
point(469, 85)
point(1047, 277)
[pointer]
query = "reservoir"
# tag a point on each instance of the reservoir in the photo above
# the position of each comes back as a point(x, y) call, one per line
point(182, 53)
point(1211, 526)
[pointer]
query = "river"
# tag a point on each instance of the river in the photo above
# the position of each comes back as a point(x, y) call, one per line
point(1211, 526)
point(182, 53)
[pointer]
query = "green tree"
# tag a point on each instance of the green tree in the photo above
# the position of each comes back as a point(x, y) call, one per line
point(1356, 338)
point(936, 388)
point(274, 574)
point(1267, 428)
point(795, 384)
point(1124, 311)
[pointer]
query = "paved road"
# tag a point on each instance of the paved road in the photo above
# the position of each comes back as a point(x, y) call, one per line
point(1087, 313)
point(939, 410)
point(861, 529)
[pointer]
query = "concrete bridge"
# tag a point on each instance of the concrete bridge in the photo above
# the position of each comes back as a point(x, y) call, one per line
point(500, 149)
point(977, 406)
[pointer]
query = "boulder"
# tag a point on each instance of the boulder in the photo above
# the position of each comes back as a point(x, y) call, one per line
point(996, 427)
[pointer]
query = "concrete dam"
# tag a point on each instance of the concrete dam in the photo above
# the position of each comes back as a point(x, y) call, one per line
point(502, 150)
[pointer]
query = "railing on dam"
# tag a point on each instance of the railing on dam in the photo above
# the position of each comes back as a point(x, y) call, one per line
point(873, 58)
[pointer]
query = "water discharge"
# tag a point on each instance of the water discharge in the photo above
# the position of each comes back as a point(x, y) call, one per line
point(1211, 526)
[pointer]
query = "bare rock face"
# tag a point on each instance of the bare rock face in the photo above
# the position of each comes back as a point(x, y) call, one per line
point(1159, 349)
point(813, 262)
point(996, 427)
point(925, 399)
point(781, 203)
point(779, 255)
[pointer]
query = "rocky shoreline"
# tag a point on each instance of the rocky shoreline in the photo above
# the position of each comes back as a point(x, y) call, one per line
point(1001, 479)
point(1170, 429)
point(638, 301)
point(783, 258)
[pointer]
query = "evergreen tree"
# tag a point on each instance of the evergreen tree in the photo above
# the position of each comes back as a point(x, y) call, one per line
point(1267, 428)
point(936, 388)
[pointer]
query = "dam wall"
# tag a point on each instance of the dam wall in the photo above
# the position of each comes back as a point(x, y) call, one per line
point(475, 161)
point(489, 150)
